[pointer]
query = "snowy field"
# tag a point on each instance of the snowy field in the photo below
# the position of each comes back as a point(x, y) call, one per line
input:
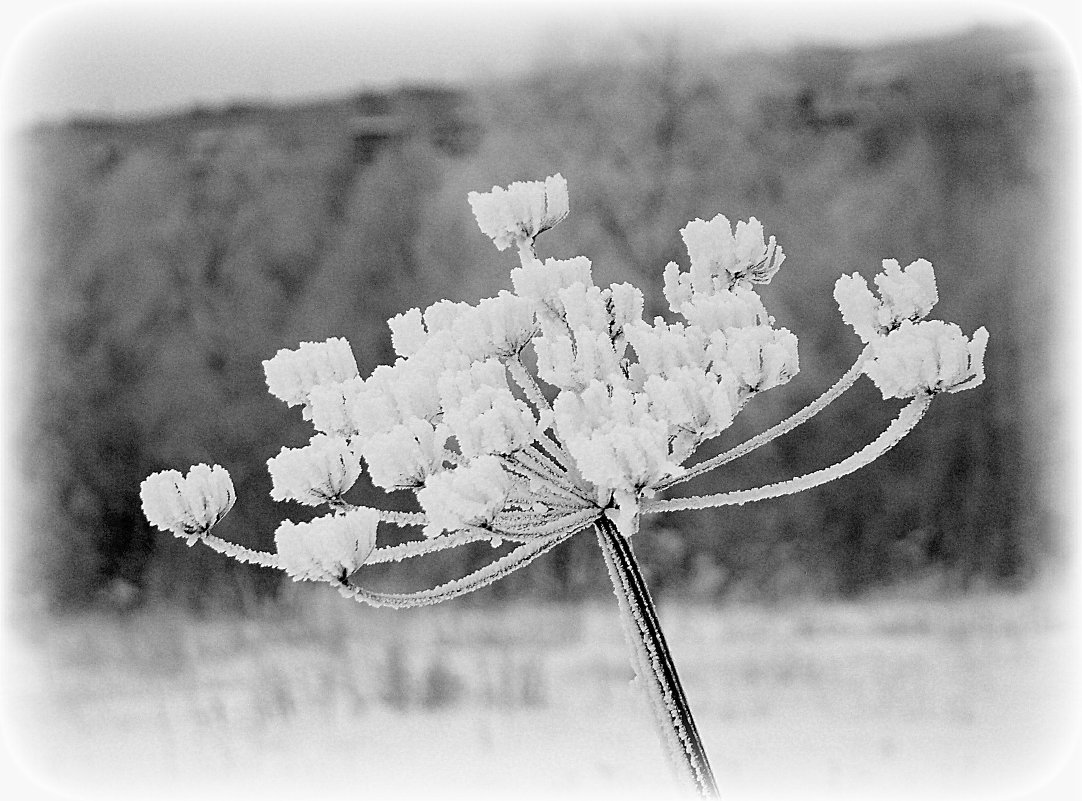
point(971, 697)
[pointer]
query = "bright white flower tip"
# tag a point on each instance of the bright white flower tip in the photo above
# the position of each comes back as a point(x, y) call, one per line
point(740, 307)
point(758, 357)
point(693, 401)
point(542, 283)
point(499, 326)
point(930, 356)
point(716, 251)
point(905, 294)
point(620, 456)
point(187, 505)
point(328, 547)
point(573, 364)
point(408, 333)
point(481, 412)
point(625, 303)
point(292, 374)
point(662, 349)
point(406, 454)
point(319, 472)
point(332, 407)
point(521, 211)
point(468, 495)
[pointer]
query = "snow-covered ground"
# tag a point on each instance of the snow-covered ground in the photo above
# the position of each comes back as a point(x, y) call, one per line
point(970, 697)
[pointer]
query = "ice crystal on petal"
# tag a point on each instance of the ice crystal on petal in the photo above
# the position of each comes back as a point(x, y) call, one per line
point(905, 294)
point(318, 472)
point(408, 333)
point(930, 356)
point(406, 454)
point(721, 258)
point(481, 412)
point(187, 505)
point(542, 282)
point(291, 374)
point(329, 547)
point(521, 211)
point(468, 495)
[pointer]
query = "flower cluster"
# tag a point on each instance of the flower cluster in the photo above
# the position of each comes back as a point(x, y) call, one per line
point(612, 413)
point(190, 505)
point(909, 355)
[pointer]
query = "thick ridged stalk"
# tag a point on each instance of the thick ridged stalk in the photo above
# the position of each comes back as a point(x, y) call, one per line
point(653, 664)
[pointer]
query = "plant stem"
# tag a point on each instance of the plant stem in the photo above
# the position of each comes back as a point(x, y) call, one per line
point(653, 664)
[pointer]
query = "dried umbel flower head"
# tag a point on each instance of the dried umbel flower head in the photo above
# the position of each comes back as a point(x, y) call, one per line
point(460, 421)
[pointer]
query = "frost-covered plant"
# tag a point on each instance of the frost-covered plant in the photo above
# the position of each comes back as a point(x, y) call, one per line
point(460, 421)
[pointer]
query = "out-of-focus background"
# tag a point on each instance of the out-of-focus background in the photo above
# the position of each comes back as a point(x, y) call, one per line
point(901, 631)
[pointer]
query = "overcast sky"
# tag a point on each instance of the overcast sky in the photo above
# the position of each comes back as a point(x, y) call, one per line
point(64, 58)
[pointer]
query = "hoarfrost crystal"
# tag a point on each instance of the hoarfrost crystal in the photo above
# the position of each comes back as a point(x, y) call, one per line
point(187, 505)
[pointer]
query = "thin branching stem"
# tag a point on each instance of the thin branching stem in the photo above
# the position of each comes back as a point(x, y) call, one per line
point(491, 572)
point(239, 552)
point(653, 664)
point(891, 436)
point(772, 433)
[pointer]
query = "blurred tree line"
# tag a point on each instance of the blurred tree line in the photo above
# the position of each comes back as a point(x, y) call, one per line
point(171, 257)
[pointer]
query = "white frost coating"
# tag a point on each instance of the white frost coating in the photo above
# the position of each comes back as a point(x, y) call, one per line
point(408, 333)
point(406, 454)
point(328, 547)
point(292, 374)
point(317, 473)
point(905, 294)
point(481, 412)
point(930, 356)
point(902, 425)
point(721, 258)
point(187, 505)
point(542, 282)
point(468, 495)
point(521, 211)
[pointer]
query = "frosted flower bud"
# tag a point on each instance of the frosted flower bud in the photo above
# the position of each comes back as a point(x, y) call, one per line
point(319, 472)
point(759, 357)
point(692, 400)
point(740, 307)
point(716, 252)
point(468, 495)
point(571, 364)
point(406, 454)
point(622, 456)
point(542, 283)
point(662, 348)
point(930, 356)
point(292, 374)
point(625, 304)
point(187, 505)
point(408, 334)
point(329, 547)
point(905, 294)
point(481, 412)
point(521, 211)
point(332, 407)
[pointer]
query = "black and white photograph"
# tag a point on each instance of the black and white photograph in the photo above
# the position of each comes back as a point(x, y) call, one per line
point(540, 401)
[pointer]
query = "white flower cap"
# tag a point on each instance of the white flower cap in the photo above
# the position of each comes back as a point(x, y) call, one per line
point(520, 212)
point(542, 282)
point(329, 547)
point(469, 495)
point(188, 505)
point(482, 414)
point(720, 257)
point(930, 356)
point(405, 455)
point(317, 473)
point(292, 374)
point(905, 294)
